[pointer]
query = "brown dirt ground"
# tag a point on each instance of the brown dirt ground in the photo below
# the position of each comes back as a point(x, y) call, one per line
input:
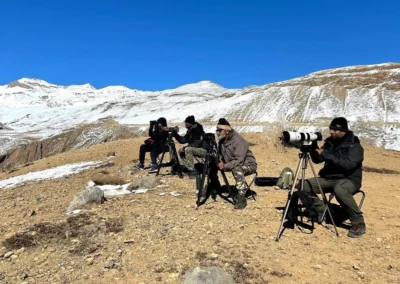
point(150, 238)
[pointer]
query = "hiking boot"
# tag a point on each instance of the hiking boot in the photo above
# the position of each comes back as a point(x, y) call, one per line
point(357, 230)
point(140, 166)
point(153, 168)
point(241, 201)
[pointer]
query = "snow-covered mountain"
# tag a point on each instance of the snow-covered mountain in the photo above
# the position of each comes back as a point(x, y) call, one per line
point(367, 95)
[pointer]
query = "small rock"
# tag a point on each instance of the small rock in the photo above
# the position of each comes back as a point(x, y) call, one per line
point(8, 254)
point(355, 267)
point(379, 240)
point(214, 256)
point(111, 154)
point(21, 250)
point(110, 265)
point(3, 251)
point(14, 256)
point(318, 266)
point(90, 260)
point(23, 276)
point(2, 276)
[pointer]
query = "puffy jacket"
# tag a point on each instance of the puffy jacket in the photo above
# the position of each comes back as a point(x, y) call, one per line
point(194, 136)
point(343, 159)
point(235, 151)
point(159, 137)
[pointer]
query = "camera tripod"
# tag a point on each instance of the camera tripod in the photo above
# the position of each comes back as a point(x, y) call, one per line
point(208, 183)
point(305, 159)
point(174, 161)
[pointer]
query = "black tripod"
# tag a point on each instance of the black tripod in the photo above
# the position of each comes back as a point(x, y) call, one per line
point(174, 161)
point(305, 158)
point(209, 182)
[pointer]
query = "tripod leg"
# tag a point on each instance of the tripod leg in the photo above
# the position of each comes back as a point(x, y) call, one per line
point(227, 183)
point(177, 160)
point(161, 160)
point(324, 198)
point(203, 179)
point(289, 200)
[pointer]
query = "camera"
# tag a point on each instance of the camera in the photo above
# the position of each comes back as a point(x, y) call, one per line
point(174, 129)
point(296, 139)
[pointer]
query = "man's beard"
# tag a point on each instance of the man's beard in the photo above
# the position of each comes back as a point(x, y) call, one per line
point(221, 136)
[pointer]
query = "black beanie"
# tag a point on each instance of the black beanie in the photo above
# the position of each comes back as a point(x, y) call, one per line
point(162, 121)
point(339, 121)
point(190, 119)
point(223, 124)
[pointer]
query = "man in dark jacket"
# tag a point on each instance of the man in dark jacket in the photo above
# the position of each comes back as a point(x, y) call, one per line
point(195, 144)
point(236, 157)
point(342, 172)
point(155, 144)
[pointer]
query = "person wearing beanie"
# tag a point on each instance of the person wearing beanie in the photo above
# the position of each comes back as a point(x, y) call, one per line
point(342, 155)
point(155, 144)
point(236, 157)
point(195, 144)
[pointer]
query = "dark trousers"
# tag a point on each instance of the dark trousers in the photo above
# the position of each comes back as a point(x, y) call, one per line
point(343, 189)
point(154, 152)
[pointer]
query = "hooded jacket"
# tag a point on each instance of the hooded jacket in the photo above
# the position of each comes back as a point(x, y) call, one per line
point(194, 136)
point(343, 159)
point(159, 137)
point(235, 151)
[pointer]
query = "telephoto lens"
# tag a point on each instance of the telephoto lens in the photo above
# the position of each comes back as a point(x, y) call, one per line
point(292, 136)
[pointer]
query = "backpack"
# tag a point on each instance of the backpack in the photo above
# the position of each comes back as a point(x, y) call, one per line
point(286, 178)
point(293, 211)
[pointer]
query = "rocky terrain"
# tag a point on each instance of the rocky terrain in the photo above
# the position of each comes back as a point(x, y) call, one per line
point(156, 237)
point(78, 137)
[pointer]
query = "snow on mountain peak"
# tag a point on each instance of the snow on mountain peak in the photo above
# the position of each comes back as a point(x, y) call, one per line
point(200, 87)
point(30, 83)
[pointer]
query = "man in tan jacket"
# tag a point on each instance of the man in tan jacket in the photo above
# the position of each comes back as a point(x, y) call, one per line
point(236, 157)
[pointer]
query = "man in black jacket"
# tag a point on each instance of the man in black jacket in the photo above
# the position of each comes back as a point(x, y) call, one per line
point(342, 172)
point(155, 144)
point(195, 147)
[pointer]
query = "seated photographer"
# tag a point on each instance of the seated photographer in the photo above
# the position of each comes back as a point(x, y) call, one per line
point(155, 144)
point(237, 157)
point(341, 174)
point(195, 147)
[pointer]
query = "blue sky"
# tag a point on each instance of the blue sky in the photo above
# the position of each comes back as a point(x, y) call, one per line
point(155, 45)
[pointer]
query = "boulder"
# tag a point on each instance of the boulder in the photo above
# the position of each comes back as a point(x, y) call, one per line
point(88, 196)
point(207, 275)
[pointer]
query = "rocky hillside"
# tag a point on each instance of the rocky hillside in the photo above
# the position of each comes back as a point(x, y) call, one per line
point(78, 137)
point(364, 94)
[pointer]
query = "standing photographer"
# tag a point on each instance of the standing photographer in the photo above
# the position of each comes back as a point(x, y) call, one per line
point(195, 147)
point(341, 174)
point(237, 157)
point(155, 144)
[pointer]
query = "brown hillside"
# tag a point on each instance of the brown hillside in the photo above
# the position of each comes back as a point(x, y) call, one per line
point(148, 238)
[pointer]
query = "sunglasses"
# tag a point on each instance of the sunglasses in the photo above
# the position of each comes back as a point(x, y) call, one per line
point(218, 130)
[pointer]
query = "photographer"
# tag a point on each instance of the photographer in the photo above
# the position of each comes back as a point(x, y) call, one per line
point(195, 147)
point(237, 157)
point(341, 174)
point(155, 144)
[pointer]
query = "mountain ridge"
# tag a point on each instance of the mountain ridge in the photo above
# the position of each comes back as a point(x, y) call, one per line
point(365, 94)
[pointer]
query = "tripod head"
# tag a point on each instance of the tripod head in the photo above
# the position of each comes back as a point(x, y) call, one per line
point(307, 146)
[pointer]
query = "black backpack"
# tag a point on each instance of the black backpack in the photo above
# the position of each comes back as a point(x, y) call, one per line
point(308, 204)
